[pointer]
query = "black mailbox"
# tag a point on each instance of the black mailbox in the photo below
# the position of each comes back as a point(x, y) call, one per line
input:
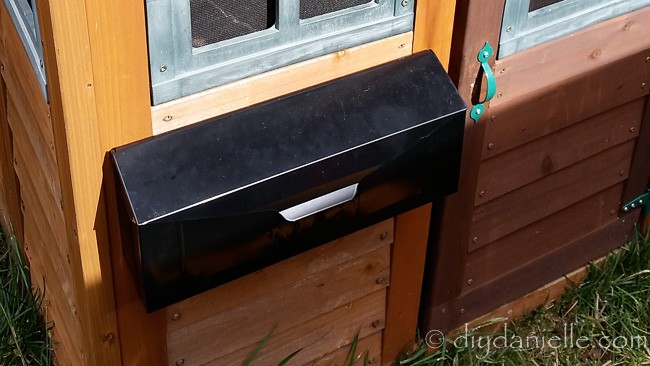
point(217, 200)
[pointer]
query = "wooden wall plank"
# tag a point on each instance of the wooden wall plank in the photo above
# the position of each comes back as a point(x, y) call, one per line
point(434, 24)
point(371, 343)
point(524, 246)
point(55, 306)
point(524, 305)
point(10, 200)
point(553, 265)
point(574, 99)
point(269, 280)
point(33, 134)
point(249, 322)
point(530, 203)
point(407, 270)
point(537, 159)
point(53, 260)
point(640, 170)
point(36, 176)
point(259, 88)
point(581, 52)
point(317, 337)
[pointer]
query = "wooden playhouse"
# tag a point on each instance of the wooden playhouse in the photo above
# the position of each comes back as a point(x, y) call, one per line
point(549, 158)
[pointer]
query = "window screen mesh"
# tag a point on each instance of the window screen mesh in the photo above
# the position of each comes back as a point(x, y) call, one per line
point(538, 4)
point(312, 8)
point(217, 20)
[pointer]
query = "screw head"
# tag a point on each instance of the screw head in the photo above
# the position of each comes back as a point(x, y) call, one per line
point(486, 54)
point(405, 3)
point(163, 68)
point(490, 146)
point(180, 362)
point(380, 280)
point(625, 209)
point(647, 59)
point(509, 29)
point(167, 118)
point(470, 282)
point(176, 317)
point(632, 205)
point(643, 85)
point(383, 236)
point(481, 194)
point(475, 239)
point(641, 201)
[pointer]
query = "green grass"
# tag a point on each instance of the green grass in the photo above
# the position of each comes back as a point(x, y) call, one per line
point(605, 320)
point(24, 336)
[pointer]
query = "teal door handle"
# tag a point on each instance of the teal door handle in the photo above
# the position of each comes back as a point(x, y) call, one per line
point(483, 56)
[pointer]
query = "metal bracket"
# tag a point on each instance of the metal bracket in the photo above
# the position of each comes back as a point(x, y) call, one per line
point(641, 201)
point(483, 56)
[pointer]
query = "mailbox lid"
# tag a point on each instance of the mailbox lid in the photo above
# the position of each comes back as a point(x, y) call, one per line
point(323, 131)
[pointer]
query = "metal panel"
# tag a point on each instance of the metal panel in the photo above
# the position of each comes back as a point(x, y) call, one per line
point(522, 29)
point(178, 69)
point(25, 20)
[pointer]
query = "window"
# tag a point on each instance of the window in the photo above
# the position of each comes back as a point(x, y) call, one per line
point(198, 44)
point(25, 18)
point(527, 23)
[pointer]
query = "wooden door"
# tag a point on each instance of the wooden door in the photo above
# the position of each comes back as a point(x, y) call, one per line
point(563, 143)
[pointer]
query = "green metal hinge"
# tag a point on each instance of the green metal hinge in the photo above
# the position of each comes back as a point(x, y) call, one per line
point(641, 201)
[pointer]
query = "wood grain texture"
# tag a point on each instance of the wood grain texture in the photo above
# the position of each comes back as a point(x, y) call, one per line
point(36, 176)
point(639, 178)
point(542, 157)
point(259, 88)
point(567, 102)
point(371, 344)
point(32, 199)
point(118, 49)
point(564, 58)
point(318, 337)
point(524, 305)
point(475, 23)
point(407, 270)
point(548, 195)
point(10, 195)
point(248, 323)
point(551, 266)
point(434, 24)
point(269, 280)
point(534, 241)
point(65, 30)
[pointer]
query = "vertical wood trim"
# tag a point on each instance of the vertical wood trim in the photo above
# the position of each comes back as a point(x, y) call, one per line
point(477, 22)
point(68, 62)
point(407, 268)
point(434, 23)
point(639, 178)
point(118, 46)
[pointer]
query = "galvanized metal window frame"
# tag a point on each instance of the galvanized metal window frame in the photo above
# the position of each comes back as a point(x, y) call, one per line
point(522, 29)
point(177, 69)
point(25, 18)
